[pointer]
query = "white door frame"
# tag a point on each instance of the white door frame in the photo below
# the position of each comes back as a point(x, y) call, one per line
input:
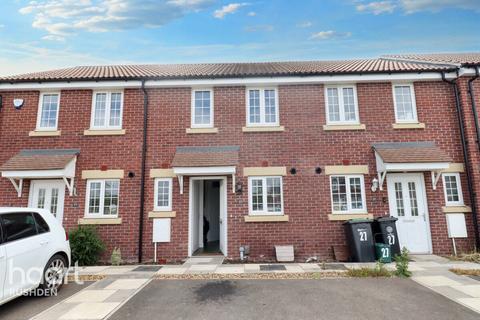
point(61, 192)
point(224, 217)
point(391, 197)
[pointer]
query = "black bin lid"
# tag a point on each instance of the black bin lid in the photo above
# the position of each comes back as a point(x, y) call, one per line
point(358, 221)
point(386, 219)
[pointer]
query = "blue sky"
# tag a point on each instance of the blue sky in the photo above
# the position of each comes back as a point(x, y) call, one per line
point(47, 34)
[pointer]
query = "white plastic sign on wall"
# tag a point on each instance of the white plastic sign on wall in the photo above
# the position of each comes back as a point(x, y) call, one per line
point(457, 228)
point(161, 230)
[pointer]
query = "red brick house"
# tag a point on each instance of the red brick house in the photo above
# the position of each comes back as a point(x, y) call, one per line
point(267, 153)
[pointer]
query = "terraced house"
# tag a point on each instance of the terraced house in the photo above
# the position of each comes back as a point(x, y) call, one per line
point(260, 154)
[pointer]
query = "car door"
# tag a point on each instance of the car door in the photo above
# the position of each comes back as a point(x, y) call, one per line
point(3, 263)
point(24, 254)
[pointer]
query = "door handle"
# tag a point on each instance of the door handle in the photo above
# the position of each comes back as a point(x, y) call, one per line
point(42, 243)
point(221, 221)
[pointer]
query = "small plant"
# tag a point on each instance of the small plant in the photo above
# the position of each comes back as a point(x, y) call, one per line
point(86, 245)
point(378, 271)
point(116, 257)
point(401, 262)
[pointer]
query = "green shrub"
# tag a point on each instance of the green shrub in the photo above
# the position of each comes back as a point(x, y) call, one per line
point(116, 257)
point(378, 271)
point(86, 245)
point(401, 262)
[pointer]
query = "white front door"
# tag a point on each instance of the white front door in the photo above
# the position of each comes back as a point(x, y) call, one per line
point(48, 194)
point(407, 200)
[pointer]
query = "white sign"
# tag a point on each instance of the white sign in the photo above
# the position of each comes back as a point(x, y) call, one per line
point(457, 227)
point(161, 230)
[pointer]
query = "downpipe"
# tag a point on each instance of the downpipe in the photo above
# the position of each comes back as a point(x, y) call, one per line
point(142, 178)
point(468, 170)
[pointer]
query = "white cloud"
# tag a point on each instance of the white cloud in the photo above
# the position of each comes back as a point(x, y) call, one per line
point(61, 18)
point(330, 34)
point(305, 24)
point(2, 26)
point(377, 7)
point(412, 6)
point(228, 9)
point(252, 14)
point(257, 28)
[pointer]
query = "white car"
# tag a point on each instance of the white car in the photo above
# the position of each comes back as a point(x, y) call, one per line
point(34, 252)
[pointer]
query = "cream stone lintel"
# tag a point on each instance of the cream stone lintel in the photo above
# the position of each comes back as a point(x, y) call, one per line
point(162, 214)
point(92, 132)
point(283, 218)
point(264, 171)
point(329, 170)
point(457, 209)
point(38, 133)
point(344, 216)
point(408, 125)
point(162, 173)
point(455, 167)
point(329, 127)
point(99, 221)
point(99, 174)
point(263, 129)
point(201, 130)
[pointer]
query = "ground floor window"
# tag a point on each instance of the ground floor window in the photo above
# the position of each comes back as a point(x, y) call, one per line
point(102, 198)
point(347, 193)
point(163, 194)
point(452, 189)
point(265, 195)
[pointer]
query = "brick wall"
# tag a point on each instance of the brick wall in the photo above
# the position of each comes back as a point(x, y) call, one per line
point(303, 145)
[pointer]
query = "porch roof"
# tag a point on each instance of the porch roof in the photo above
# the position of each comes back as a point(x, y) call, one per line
point(206, 156)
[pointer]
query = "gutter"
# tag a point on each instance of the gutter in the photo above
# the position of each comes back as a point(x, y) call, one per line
point(142, 178)
point(468, 171)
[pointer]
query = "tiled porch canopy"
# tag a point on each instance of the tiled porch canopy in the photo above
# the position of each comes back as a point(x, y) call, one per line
point(410, 157)
point(41, 164)
point(205, 161)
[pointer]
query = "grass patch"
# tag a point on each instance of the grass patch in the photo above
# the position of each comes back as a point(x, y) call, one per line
point(378, 272)
point(466, 272)
point(467, 257)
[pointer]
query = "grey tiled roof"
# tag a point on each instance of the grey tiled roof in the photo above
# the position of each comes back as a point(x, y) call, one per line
point(463, 59)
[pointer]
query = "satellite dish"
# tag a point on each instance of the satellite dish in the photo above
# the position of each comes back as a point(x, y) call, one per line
point(18, 103)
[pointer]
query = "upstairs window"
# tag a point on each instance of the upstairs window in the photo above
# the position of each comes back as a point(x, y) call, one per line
point(342, 106)
point(48, 112)
point(452, 189)
point(202, 108)
point(102, 198)
point(262, 107)
point(348, 194)
point(405, 106)
point(107, 110)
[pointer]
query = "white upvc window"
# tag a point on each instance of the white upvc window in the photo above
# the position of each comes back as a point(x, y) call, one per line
point(262, 107)
point(341, 104)
point(102, 198)
point(405, 104)
point(107, 110)
point(48, 109)
point(265, 195)
point(347, 194)
point(163, 194)
point(452, 189)
point(202, 108)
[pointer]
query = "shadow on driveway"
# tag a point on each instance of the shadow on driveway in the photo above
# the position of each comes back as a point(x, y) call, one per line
point(290, 299)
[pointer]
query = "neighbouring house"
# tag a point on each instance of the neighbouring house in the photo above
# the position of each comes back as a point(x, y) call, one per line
point(258, 154)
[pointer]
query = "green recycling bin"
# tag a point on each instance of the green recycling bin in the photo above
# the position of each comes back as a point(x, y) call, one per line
point(383, 252)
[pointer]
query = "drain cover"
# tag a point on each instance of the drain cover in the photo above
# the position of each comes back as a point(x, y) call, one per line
point(147, 268)
point(333, 266)
point(272, 267)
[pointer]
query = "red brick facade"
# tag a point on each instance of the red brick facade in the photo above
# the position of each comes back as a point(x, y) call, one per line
point(303, 145)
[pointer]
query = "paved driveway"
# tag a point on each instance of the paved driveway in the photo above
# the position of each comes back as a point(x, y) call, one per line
point(290, 299)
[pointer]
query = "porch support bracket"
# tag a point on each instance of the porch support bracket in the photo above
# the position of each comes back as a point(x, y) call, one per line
point(180, 182)
point(18, 186)
point(69, 184)
point(435, 177)
point(381, 178)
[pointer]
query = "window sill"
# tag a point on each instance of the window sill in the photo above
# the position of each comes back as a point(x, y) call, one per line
point(408, 125)
point(347, 216)
point(40, 133)
point(99, 221)
point(94, 132)
point(456, 209)
point(264, 129)
point(162, 214)
point(201, 130)
point(343, 127)
point(270, 218)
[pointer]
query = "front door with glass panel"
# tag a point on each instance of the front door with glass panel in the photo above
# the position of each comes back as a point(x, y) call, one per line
point(48, 194)
point(407, 200)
